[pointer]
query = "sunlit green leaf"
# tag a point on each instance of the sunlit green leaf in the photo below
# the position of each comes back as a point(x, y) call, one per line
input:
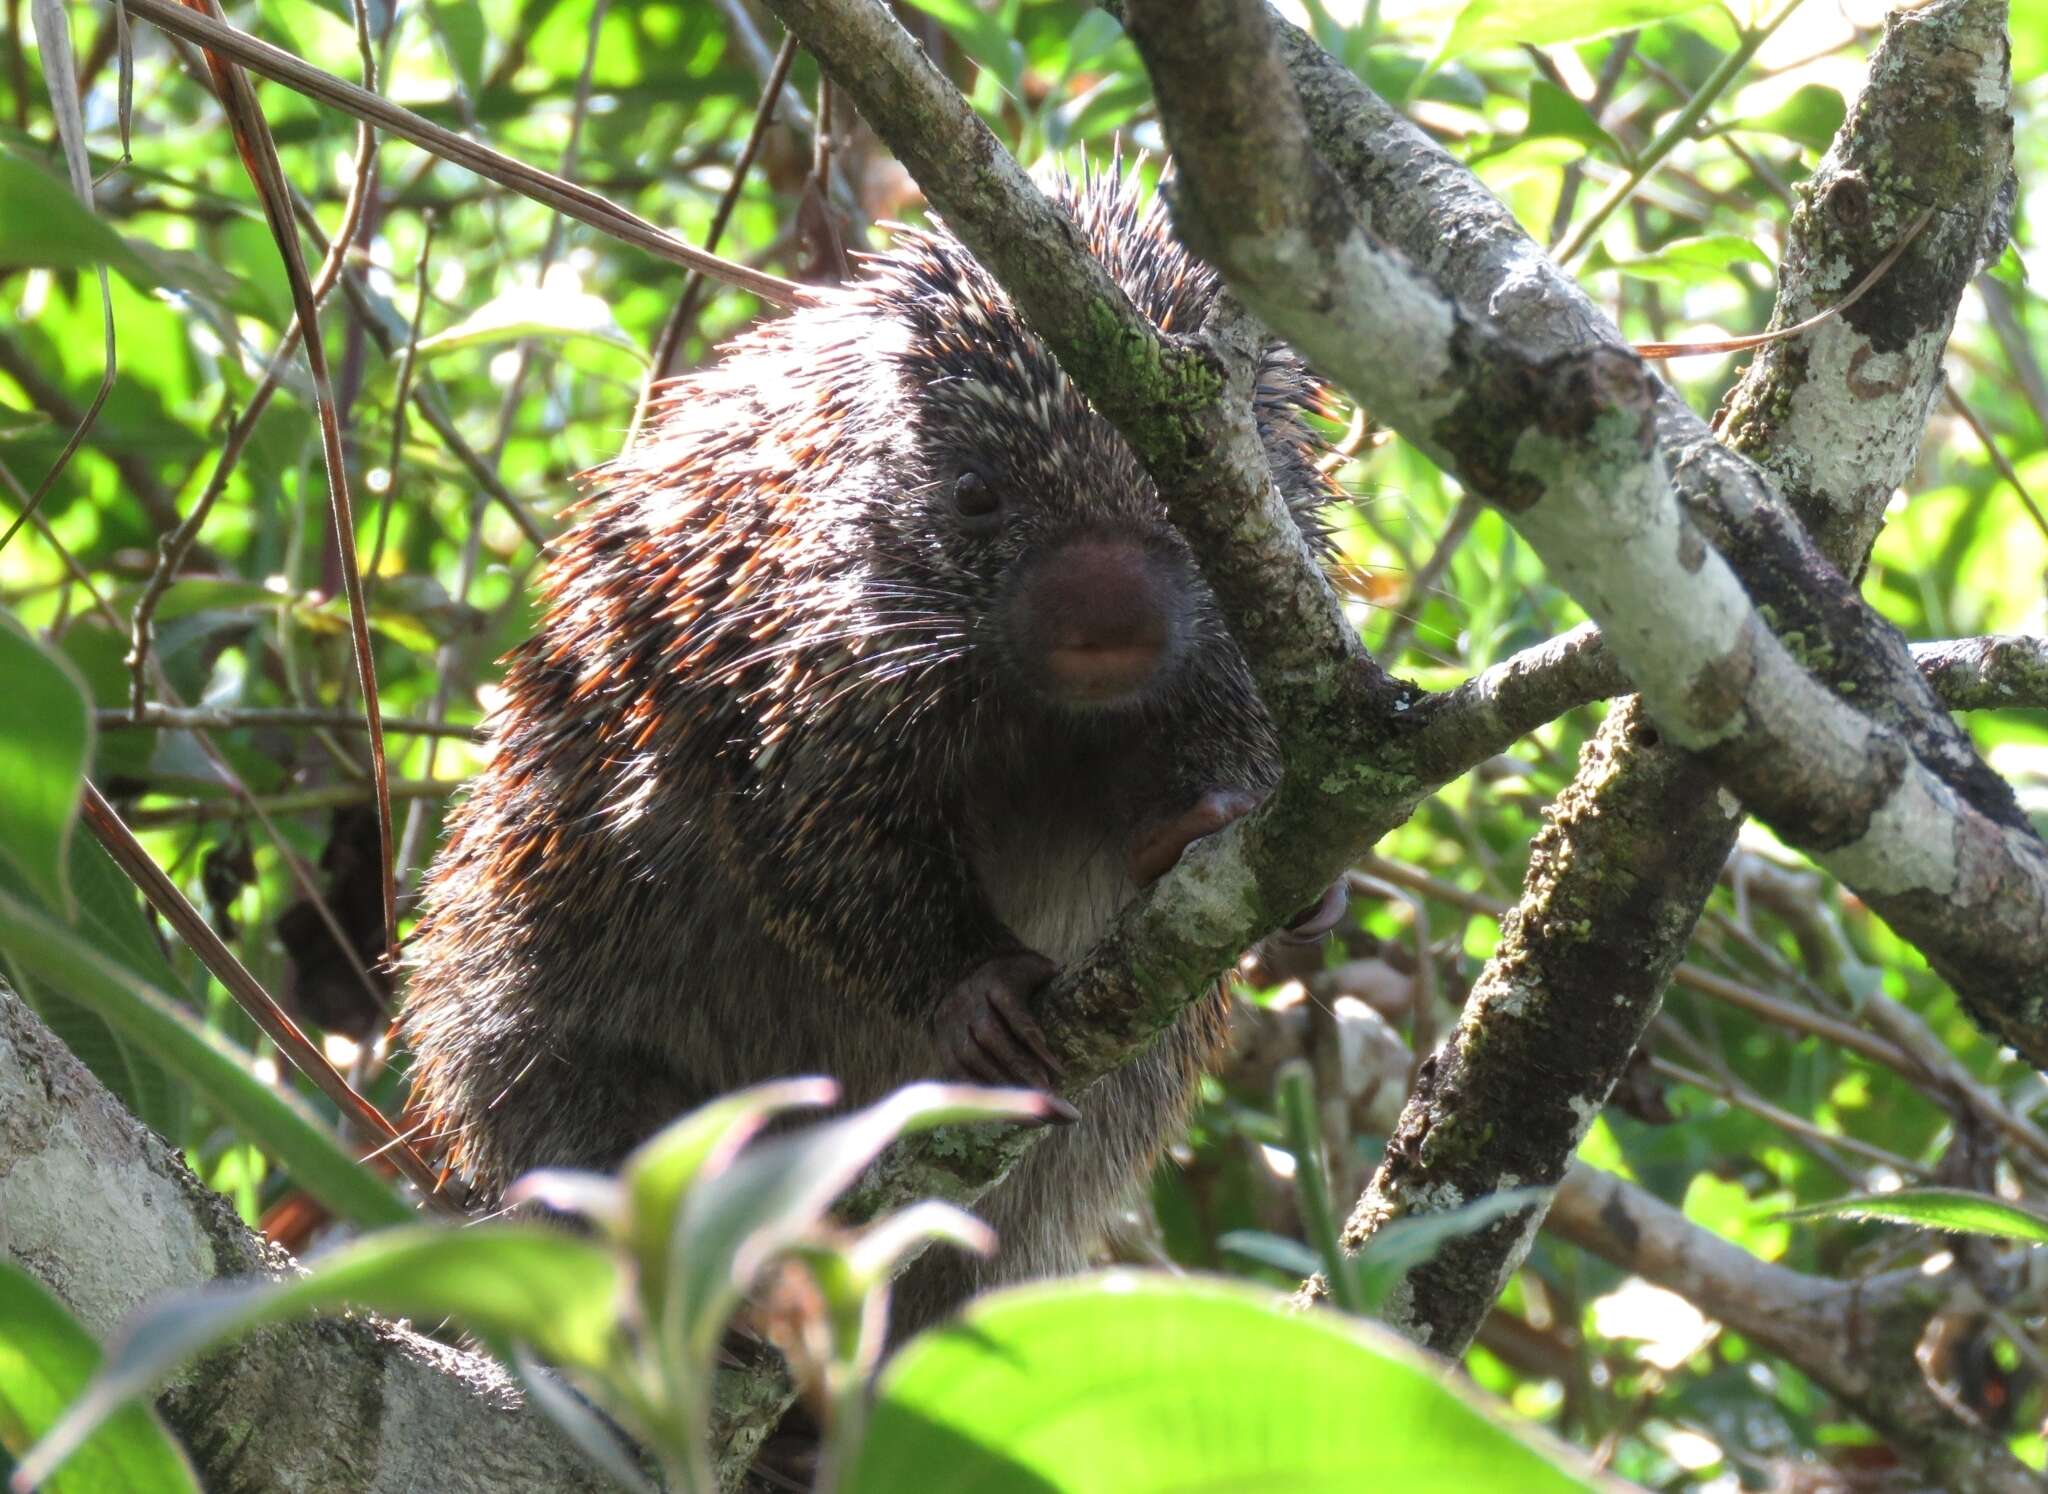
point(733, 1221)
point(1694, 261)
point(45, 742)
point(1485, 25)
point(1093, 35)
point(1552, 111)
point(1811, 115)
point(981, 35)
point(658, 1176)
point(1139, 1384)
point(1397, 1248)
point(46, 1359)
point(546, 314)
point(461, 29)
point(14, 423)
point(507, 1282)
point(43, 223)
point(1937, 1208)
point(108, 914)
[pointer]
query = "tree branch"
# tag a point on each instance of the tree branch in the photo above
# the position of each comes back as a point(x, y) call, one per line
point(1857, 1339)
point(1893, 802)
point(1524, 1009)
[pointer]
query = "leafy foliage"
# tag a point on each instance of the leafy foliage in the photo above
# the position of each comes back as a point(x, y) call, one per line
point(46, 1359)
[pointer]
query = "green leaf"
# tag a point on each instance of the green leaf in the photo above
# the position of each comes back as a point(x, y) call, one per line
point(1093, 35)
point(100, 654)
point(660, 1173)
point(1694, 261)
point(110, 918)
point(1555, 112)
point(17, 423)
point(1130, 1384)
point(190, 595)
point(982, 36)
point(1937, 1208)
point(1811, 116)
point(42, 223)
point(1400, 1247)
point(551, 315)
point(1488, 25)
point(734, 1221)
point(44, 745)
point(1102, 108)
point(151, 1018)
point(46, 1359)
point(1281, 1252)
point(461, 29)
point(509, 1283)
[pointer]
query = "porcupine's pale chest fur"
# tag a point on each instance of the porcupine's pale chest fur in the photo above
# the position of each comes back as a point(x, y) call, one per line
point(798, 745)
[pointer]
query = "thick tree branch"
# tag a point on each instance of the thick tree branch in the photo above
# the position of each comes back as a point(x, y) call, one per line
point(1568, 447)
point(1981, 674)
point(1421, 202)
point(1475, 246)
point(1855, 1338)
point(1999, 671)
point(99, 1210)
point(1525, 1005)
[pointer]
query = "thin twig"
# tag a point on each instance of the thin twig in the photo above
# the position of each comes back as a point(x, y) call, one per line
point(671, 339)
point(567, 197)
point(53, 37)
point(406, 363)
point(297, 801)
point(1409, 609)
point(164, 896)
point(1760, 339)
point(259, 158)
point(237, 718)
point(1674, 134)
point(175, 548)
point(1998, 457)
point(1886, 1050)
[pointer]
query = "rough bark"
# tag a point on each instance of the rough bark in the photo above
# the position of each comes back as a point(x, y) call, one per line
point(1616, 881)
point(1471, 1125)
point(1851, 760)
point(98, 1209)
point(1468, 1128)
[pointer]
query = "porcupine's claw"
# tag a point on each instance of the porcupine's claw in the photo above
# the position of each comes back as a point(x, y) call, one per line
point(1156, 847)
point(1154, 850)
point(987, 1033)
point(1311, 924)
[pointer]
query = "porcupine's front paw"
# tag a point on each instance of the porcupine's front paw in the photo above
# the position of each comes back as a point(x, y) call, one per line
point(1156, 847)
point(987, 1033)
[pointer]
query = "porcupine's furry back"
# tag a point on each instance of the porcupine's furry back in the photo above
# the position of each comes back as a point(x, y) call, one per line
point(772, 774)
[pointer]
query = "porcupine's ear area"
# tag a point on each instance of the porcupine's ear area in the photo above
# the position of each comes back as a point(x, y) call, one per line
point(930, 276)
point(1132, 234)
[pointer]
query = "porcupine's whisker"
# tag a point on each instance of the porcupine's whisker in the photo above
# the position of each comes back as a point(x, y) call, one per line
point(727, 671)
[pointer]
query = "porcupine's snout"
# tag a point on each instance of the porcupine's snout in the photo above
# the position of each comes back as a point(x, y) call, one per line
point(1099, 618)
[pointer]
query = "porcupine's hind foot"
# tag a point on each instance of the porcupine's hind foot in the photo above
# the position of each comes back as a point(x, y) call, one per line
point(1156, 847)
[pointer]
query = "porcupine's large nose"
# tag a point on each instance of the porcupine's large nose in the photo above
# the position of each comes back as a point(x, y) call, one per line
point(1099, 618)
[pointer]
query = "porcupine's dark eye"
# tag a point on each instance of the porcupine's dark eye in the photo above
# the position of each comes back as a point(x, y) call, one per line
point(976, 501)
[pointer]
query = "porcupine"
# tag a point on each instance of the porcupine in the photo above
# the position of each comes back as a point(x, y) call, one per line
point(871, 684)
